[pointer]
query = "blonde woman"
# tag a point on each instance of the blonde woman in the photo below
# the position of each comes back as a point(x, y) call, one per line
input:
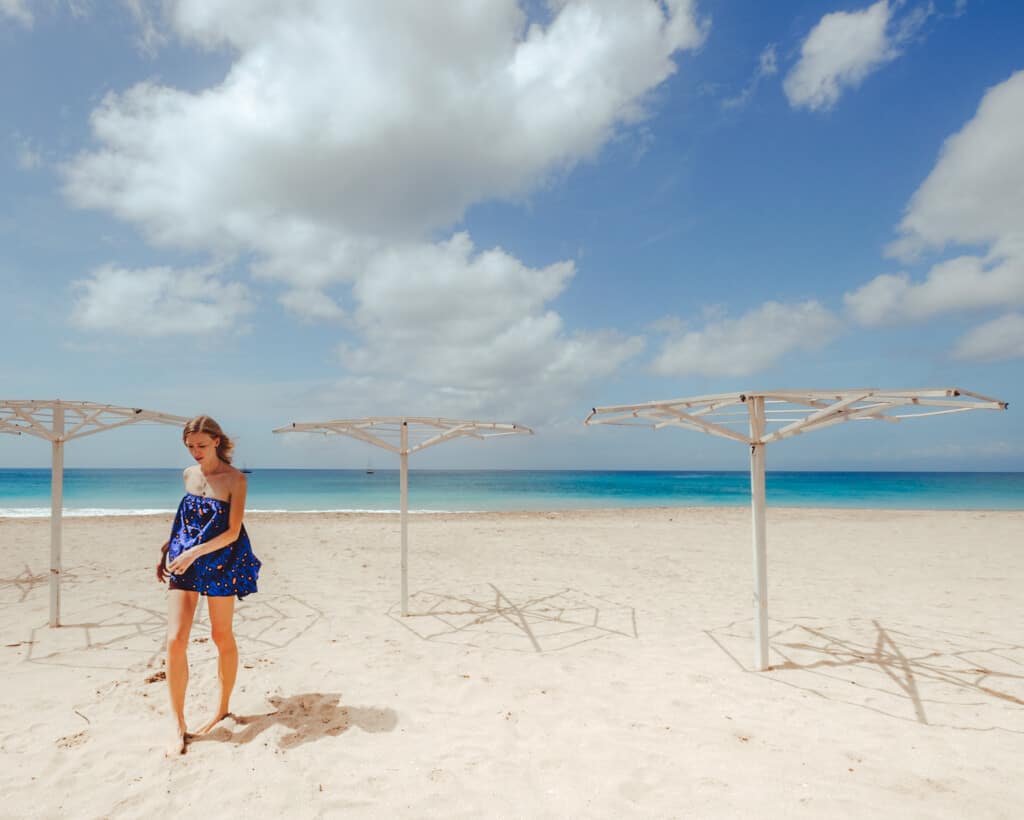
point(208, 554)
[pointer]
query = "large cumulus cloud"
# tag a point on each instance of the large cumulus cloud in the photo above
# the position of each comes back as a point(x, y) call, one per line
point(346, 137)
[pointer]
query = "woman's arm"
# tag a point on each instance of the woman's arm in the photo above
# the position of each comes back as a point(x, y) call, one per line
point(226, 538)
point(163, 569)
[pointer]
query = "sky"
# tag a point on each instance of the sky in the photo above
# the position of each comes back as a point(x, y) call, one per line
point(272, 211)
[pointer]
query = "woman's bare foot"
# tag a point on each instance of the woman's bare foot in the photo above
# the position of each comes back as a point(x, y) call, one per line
point(207, 727)
point(179, 745)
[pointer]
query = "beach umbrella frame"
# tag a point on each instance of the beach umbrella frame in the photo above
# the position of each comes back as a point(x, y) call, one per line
point(392, 433)
point(59, 422)
point(774, 415)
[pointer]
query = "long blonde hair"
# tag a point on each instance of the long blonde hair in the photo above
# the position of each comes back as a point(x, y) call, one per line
point(205, 424)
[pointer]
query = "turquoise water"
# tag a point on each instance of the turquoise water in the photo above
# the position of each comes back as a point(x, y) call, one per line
point(108, 491)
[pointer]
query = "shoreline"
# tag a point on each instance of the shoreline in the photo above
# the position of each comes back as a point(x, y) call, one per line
point(44, 514)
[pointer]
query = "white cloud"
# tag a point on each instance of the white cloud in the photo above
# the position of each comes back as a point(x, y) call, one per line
point(750, 344)
point(312, 305)
point(346, 137)
point(840, 51)
point(543, 395)
point(961, 284)
point(1002, 338)
point(973, 196)
point(158, 301)
point(369, 120)
point(975, 192)
point(17, 10)
point(147, 15)
point(22, 12)
point(474, 326)
point(767, 66)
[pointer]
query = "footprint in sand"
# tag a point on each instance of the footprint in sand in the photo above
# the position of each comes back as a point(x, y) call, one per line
point(71, 741)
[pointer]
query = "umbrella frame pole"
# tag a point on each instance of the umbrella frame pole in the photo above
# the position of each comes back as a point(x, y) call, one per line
point(56, 514)
point(757, 504)
point(404, 484)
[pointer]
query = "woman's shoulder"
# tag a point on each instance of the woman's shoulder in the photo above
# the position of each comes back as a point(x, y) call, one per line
point(192, 478)
point(235, 476)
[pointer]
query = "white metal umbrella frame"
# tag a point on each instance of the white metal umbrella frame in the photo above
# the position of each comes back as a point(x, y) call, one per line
point(393, 433)
point(58, 422)
point(774, 415)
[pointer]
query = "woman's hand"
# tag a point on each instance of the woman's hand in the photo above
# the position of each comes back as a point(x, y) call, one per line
point(161, 568)
point(181, 564)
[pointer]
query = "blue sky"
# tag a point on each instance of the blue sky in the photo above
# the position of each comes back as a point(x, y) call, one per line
point(271, 211)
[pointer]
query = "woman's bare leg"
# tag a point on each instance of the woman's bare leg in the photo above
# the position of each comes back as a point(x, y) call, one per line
point(181, 609)
point(222, 613)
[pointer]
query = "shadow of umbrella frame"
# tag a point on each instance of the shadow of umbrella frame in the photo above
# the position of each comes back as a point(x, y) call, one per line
point(931, 677)
point(534, 622)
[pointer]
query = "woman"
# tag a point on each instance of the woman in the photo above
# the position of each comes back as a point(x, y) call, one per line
point(208, 554)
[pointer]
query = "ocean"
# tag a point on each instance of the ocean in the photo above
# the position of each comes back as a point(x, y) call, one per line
point(26, 492)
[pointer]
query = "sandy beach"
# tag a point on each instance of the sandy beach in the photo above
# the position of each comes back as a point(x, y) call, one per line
point(555, 665)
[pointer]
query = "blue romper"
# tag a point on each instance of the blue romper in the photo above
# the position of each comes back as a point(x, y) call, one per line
point(231, 570)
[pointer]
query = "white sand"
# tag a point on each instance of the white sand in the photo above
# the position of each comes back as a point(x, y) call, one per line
point(584, 664)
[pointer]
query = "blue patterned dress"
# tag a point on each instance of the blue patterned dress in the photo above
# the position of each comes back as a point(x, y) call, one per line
point(231, 570)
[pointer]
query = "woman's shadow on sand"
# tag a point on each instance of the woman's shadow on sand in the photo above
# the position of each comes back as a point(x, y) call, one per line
point(309, 717)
